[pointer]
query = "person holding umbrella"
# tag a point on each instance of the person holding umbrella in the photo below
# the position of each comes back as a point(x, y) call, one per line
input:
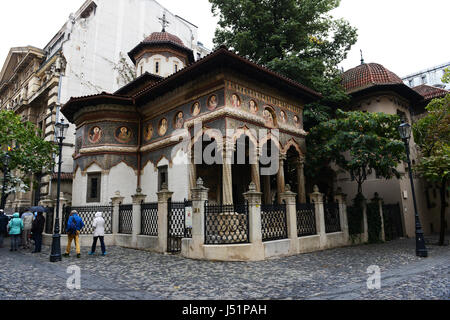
point(37, 229)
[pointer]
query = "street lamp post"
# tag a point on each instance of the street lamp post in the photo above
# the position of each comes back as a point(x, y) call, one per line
point(60, 132)
point(5, 176)
point(405, 133)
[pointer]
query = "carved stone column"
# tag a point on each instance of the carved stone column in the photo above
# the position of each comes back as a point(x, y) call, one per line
point(317, 198)
point(267, 190)
point(301, 180)
point(291, 216)
point(192, 175)
point(199, 197)
point(255, 175)
point(163, 215)
point(253, 198)
point(227, 182)
point(138, 199)
point(116, 201)
point(340, 198)
point(280, 177)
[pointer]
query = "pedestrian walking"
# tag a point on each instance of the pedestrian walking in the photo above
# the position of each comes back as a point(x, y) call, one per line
point(99, 233)
point(37, 230)
point(73, 228)
point(15, 229)
point(3, 226)
point(27, 218)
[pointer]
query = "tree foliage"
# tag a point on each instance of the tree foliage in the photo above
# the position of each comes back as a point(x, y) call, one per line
point(31, 154)
point(359, 143)
point(297, 38)
point(432, 137)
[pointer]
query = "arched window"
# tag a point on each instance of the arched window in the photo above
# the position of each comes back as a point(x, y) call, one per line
point(156, 67)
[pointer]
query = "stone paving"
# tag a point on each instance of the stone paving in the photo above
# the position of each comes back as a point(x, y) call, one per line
point(131, 274)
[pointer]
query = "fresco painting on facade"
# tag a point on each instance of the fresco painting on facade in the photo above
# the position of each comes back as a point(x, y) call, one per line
point(283, 117)
point(123, 134)
point(269, 118)
point(148, 132)
point(162, 127)
point(212, 102)
point(95, 135)
point(297, 121)
point(196, 109)
point(179, 120)
point(253, 107)
point(235, 101)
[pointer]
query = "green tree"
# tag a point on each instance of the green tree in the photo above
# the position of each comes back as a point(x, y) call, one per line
point(359, 143)
point(296, 38)
point(432, 137)
point(30, 155)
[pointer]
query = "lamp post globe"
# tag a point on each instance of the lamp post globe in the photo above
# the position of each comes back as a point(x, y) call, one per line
point(405, 133)
point(60, 134)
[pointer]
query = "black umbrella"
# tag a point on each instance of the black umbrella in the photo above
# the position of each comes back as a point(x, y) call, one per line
point(37, 209)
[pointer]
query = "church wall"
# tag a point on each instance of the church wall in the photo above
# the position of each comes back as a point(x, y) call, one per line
point(149, 182)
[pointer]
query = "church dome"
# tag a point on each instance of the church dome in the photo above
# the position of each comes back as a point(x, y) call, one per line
point(158, 37)
point(368, 75)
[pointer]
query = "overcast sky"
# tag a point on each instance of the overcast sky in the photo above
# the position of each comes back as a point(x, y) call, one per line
point(403, 35)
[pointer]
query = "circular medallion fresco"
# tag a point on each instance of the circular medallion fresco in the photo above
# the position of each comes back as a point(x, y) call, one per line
point(179, 120)
point(148, 132)
point(162, 127)
point(212, 102)
point(196, 109)
point(283, 116)
point(253, 107)
point(95, 134)
point(297, 121)
point(269, 117)
point(123, 134)
point(235, 101)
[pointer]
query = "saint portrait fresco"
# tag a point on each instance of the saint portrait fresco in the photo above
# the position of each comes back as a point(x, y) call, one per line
point(212, 102)
point(162, 128)
point(268, 118)
point(148, 132)
point(235, 101)
point(179, 121)
point(283, 117)
point(297, 121)
point(123, 134)
point(196, 109)
point(95, 135)
point(253, 107)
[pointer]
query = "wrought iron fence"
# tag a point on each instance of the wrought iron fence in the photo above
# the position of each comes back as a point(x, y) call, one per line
point(126, 218)
point(149, 219)
point(355, 219)
point(273, 222)
point(226, 224)
point(332, 221)
point(49, 221)
point(87, 214)
point(392, 219)
point(176, 227)
point(306, 219)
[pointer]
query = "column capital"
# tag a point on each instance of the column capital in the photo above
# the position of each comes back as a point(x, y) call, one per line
point(138, 198)
point(200, 192)
point(340, 196)
point(164, 195)
point(316, 196)
point(283, 156)
point(117, 199)
point(252, 196)
point(288, 196)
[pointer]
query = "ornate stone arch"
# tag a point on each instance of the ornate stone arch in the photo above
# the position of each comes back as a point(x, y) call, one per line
point(293, 143)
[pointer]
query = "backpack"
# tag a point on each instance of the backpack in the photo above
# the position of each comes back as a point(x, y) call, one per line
point(72, 228)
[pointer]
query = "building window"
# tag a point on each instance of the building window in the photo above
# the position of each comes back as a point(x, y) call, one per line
point(162, 177)
point(93, 187)
point(411, 83)
point(156, 67)
point(176, 67)
point(142, 70)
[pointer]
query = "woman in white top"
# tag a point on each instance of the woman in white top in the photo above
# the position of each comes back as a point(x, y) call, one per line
point(99, 232)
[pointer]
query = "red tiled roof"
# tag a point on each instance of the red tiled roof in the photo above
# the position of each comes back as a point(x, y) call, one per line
point(64, 176)
point(163, 37)
point(430, 92)
point(368, 75)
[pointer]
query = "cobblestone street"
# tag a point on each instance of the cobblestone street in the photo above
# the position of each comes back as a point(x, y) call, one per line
point(130, 274)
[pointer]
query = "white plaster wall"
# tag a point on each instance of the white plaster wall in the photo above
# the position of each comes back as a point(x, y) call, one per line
point(179, 177)
point(149, 182)
point(166, 65)
point(120, 178)
point(79, 184)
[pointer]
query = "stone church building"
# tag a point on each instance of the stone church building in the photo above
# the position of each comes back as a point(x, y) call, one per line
point(142, 136)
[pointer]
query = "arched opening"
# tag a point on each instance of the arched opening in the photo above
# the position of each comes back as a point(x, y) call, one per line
point(268, 170)
point(244, 157)
point(291, 170)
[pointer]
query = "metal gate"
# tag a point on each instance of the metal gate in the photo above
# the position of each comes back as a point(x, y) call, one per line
point(176, 225)
point(392, 219)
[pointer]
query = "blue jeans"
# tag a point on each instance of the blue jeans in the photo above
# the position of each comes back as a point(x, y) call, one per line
point(15, 238)
point(102, 242)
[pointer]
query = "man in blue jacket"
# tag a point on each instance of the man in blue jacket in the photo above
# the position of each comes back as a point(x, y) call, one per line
point(73, 228)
